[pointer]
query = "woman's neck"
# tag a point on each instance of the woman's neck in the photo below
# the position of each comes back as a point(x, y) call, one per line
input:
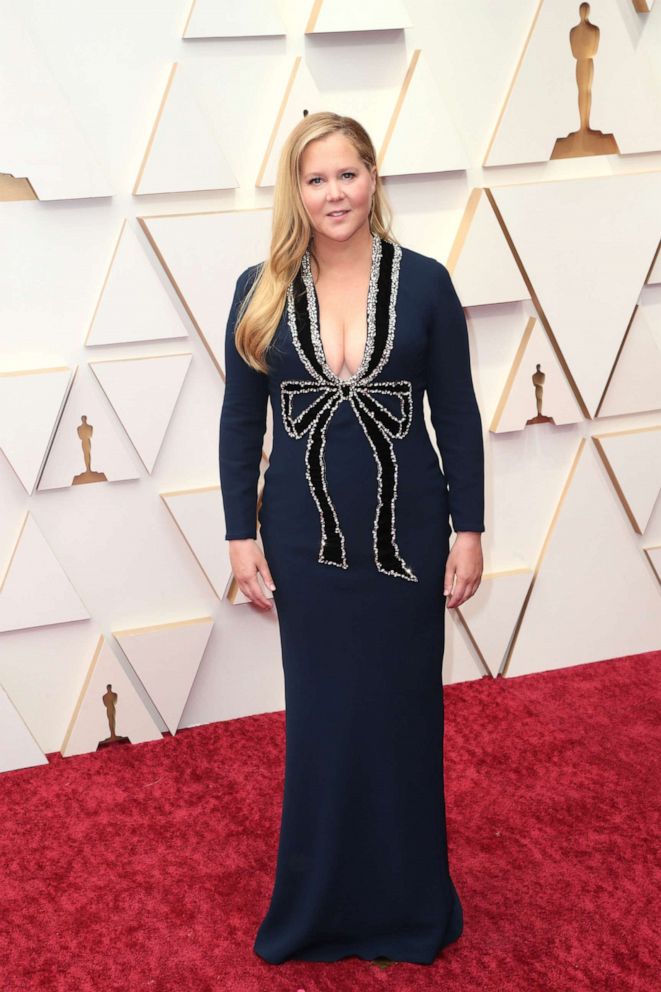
point(341, 256)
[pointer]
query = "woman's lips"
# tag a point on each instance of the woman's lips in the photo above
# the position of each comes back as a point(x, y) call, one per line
point(338, 216)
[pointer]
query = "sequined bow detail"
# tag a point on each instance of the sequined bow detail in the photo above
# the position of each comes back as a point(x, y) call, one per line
point(361, 389)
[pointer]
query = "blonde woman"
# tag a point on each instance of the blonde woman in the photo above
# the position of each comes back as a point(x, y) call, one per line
point(344, 330)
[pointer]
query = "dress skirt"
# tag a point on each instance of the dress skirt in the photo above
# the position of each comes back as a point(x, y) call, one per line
point(362, 862)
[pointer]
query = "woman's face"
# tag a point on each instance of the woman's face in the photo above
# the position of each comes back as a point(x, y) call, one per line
point(335, 178)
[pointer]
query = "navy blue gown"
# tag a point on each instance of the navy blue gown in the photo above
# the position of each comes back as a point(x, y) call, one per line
point(355, 528)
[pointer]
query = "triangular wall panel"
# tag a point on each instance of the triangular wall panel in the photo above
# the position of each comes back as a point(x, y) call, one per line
point(635, 383)
point(421, 135)
point(300, 94)
point(214, 19)
point(30, 405)
point(585, 245)
point(491, 614)
point(133, 304)
point(519, 403)
point(89, 446)
point(143, 393)
point(461, 660)
point(34, 590)
point(633, 460)
point(41, 140)
point(483, 267)
point(347, 15)
point(183, 154)
point(166, 658)
point(90, 722)
point(18, 748)
point(198, 513)
point(592, 579)
point(203, 254)
point(542, 104)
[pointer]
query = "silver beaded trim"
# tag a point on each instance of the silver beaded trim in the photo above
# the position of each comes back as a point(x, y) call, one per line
point(313, 311)
point(359, 389)
point(292, 428)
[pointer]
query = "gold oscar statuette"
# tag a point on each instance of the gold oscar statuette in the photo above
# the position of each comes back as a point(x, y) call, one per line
point(584, 41)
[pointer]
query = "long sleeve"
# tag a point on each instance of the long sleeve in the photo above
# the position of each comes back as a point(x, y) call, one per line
point(242, 429)
point(454, 411)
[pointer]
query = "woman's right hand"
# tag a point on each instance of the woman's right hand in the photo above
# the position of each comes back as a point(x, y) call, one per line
point(247, 561)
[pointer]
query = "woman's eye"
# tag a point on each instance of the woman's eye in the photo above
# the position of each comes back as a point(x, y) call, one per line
point(313, 181)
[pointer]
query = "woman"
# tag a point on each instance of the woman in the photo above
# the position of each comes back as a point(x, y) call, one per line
point(344, 330)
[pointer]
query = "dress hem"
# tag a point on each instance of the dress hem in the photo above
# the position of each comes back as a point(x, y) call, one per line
point(367, 954)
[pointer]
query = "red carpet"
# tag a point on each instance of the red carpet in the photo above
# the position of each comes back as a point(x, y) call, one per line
point(148, 868)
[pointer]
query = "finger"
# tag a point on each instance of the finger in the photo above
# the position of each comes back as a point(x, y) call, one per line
point(265, 573)
point(254, 593)
point(458, 594)
point(448, 580)
point(470, 590)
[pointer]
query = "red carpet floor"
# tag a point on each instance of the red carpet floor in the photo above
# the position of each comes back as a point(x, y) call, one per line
point(148, 868)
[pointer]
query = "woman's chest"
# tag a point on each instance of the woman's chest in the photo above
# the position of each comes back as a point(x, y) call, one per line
point(343, 325)
point(345, 343)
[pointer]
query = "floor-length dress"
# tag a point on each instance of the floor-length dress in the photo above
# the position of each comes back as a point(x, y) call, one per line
point(355, 528)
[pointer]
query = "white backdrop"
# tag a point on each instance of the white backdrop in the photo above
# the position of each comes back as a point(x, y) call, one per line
point(114, 302)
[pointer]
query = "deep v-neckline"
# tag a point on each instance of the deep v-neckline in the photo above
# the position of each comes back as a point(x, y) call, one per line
point(370, 314)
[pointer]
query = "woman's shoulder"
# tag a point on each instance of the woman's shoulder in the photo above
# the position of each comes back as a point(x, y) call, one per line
point(426, 263)
point(428, 273)
point(249, 275)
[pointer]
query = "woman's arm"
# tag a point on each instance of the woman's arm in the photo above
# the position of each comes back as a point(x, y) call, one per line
point(242, 429)
point(454, 411)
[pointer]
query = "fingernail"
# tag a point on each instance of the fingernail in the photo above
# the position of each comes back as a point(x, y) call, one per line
point(271, 586)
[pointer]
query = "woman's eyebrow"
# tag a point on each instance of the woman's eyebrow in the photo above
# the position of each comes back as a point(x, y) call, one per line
point(319, 172)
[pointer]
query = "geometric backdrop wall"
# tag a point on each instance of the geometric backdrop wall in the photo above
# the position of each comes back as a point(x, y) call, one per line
point(136, 184)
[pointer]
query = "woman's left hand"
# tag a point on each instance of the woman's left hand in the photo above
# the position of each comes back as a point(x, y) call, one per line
point(464, 563)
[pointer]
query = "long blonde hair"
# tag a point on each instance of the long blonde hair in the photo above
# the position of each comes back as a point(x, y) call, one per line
point(291, 232)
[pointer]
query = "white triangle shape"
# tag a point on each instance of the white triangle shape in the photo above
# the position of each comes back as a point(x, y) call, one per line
point(519, 403)
point(166, 659)
point(110, 453)
point(30, 404)
point(594, 596)
point(214, 19)
point(635, 458)
point(368, 15)
point(485, 270)
point(199, 513)
point(204, 253)
point(89, 724)
point(542, 102)
point(586, 246)
point(34, 590)
point(183, 154)
point(143, 393)
point(635, 385)
point(39, 135)
point(300, 94)
point(491, 614)
point(134, 305)
point(424, 138)
point(18, 748)
point(460, 660)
